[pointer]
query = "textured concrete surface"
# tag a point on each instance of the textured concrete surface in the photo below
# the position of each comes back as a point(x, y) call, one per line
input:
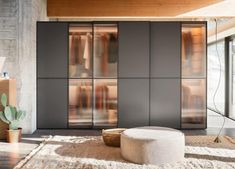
point(18, 44)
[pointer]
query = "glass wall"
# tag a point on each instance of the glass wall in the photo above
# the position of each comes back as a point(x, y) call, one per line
point(213, 76)
point(193, 55)
point(224, 99)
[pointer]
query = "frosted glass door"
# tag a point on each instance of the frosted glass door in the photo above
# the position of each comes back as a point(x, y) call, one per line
point(105, 103)
point(80, 50)
point(193, 103)
point(193, 78)
point(193, 50)
point(80, 103)
point(105, 50)
point(105, 57)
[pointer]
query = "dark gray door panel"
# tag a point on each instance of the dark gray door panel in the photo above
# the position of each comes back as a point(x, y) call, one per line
point(133, 102)
point(52, 50)
point(52, 103)
point(133, 49)
point(165, 103)
point(165, 49)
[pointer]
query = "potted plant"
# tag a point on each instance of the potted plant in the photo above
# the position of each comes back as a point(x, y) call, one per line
point(12, 117)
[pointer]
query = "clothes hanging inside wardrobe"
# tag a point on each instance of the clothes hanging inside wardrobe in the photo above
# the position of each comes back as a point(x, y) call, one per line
point(87, 51)
point(101, 97)
point(80, 103)
point(104, 60)
point(186, 46)
point(84, 97)
point(106, 54)
point(75, 49)
point(192, 52)
point(80, 49)
point(113, 48)
point(111, 99)
point(106, 97)
point(193, 102)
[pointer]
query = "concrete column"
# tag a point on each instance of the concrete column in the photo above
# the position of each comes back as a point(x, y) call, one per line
point(18, 43)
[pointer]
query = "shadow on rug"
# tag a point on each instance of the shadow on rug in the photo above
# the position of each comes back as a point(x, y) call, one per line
point(89, 152)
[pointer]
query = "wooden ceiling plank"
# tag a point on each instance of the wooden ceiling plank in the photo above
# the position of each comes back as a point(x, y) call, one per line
point(122, 8)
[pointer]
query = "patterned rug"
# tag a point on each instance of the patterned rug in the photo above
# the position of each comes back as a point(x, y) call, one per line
point(89, 152)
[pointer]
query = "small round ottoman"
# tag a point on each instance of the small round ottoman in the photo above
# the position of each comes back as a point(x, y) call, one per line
point(112, 137)
point(152, 145)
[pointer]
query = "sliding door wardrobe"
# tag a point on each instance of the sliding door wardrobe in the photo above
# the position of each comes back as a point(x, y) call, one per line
point(121, 74)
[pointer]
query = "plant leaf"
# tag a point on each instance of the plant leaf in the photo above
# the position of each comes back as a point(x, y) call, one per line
point(4, 100)
point(8, 114)
point(13, 112)
point(14, 125)
point(19, 114)
point(3, 118)
point(23, 115)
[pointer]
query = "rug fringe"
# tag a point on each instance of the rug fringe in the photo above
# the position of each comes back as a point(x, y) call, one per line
point(32, 153)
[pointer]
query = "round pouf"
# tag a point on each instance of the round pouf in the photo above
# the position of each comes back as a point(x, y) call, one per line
point(152, 145)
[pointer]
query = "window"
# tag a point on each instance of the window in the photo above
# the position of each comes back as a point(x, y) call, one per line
point(232, 78)
point(213, 76)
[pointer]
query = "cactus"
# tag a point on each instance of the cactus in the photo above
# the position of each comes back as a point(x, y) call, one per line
point(10, 115)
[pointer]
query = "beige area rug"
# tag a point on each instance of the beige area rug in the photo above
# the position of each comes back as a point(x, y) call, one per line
point(67, 152)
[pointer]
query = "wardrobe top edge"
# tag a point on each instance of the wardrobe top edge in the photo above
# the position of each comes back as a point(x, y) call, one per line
point(99, 22)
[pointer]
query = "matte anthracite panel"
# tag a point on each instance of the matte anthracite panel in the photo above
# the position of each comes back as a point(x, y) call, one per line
point(133, 49)
point(52, 103)
point(165, 103)
point(165, 49)
point(52, 49)
point(133, 102)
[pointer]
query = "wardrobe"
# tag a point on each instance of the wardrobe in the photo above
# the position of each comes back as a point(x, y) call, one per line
point(121, 74)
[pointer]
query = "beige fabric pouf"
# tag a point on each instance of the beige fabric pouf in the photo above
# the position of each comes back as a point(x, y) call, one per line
point(152, 145)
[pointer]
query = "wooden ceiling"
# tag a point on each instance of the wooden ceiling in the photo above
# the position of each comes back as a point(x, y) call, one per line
point(124, 8)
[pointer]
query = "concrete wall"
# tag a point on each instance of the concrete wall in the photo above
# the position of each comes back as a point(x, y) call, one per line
point(18, 43)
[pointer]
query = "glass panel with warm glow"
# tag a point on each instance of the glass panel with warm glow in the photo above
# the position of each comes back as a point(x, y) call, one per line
point(80, 50)
point(80, 103)
point(193, 103)
point(105, 50)
point(193, 50)
point(105, 102)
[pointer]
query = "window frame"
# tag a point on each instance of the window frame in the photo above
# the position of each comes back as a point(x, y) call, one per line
point(212, 108)
point(228, 77)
